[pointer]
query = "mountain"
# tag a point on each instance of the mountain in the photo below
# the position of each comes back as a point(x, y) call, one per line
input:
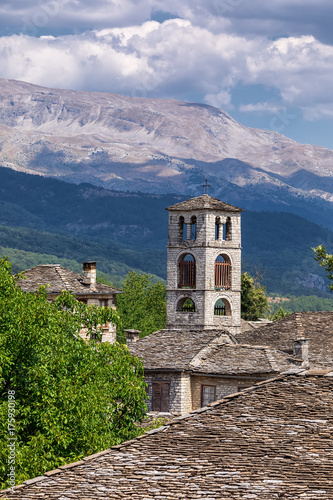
point(45, 220)
point(160, 146)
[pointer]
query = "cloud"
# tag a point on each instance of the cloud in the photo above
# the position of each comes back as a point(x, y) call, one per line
point(176, 59)
point(261, 108)
point(240, 17)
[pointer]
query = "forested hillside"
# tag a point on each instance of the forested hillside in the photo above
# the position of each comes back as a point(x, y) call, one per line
point(122, 231)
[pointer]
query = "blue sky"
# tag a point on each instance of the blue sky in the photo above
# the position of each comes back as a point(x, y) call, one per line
point(268, 64)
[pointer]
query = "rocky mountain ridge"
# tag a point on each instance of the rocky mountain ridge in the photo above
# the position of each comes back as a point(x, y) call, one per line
point(160, 146)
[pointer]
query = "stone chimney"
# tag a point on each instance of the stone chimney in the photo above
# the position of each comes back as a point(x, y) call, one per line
point(301, 351)
point(132, 335)
point(89, 274)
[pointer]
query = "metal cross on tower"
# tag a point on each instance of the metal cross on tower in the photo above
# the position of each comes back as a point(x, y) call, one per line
point(206, 186)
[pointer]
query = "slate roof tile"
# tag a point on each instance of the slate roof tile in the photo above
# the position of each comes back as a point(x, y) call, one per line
point(204, 202)
point(272, 441)
point(208, 352)
point(315, 326)
point(57, 278)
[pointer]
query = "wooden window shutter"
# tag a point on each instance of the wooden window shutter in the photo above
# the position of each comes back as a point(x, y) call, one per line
point(161, 396)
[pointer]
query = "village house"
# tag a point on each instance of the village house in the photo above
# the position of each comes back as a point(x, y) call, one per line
point(186, 370)
point(273, 440)
point(85, 288)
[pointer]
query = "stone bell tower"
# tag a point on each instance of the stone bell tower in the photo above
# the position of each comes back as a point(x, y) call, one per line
point(204, 265)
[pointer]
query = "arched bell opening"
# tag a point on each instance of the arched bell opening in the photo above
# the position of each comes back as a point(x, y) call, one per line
point(223, 272)
point(186, 271)
point(182, 228)
point(222, 308)
point(186, 305)
point(228, 229)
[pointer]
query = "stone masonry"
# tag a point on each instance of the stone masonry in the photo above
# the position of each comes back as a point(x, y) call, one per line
point(205, 246)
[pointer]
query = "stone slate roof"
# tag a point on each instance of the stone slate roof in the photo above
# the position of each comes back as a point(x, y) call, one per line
point(59, 278)
point(230, 359)
point(316, 326)
point(208, 351)
point(204, 202)
point(174, 349)
point(273, 440)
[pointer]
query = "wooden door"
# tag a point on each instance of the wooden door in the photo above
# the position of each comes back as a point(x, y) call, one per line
point(161, 395)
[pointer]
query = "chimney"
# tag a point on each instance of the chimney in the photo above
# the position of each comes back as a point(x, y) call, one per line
point(132, 335)
point(301, 350)
point(89, 274)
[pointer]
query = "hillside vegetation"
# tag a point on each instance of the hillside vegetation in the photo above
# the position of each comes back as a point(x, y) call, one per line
point(46, 220)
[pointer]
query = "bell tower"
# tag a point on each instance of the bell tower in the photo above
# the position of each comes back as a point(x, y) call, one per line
point(204, 265)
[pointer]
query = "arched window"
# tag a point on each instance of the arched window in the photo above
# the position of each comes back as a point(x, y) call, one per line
point(228, 232)
point(217, 228)
point(193, 227)
point(186, 305)
point(223, 272)
point(182, 229)
point(187, 272)
point(222, 308)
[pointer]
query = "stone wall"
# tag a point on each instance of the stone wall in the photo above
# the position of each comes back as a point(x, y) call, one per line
point(109, 329)
point(180, 390)
point(205, 249)
point(224, 386)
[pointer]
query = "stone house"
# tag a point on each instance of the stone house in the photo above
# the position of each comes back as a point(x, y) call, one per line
point(273, 440)
point(85, 288)
point(186, 370)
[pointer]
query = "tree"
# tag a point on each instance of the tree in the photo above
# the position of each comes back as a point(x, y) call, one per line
point(280, 313)
point(325, 260)
point(72, 397)
point(253, 298)
point(142, 305)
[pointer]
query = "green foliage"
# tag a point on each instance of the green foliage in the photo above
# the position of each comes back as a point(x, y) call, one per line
point(280, 313)
point(85, 222)
point(326, 261)
point(303, 303)
point(254, 301)
point(142, 305)
point(73, 397)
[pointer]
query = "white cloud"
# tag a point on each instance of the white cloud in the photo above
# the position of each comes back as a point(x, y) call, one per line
point(261, 108)
point(176, 59)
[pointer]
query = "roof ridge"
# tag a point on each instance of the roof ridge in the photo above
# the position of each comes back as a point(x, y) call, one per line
point(271, 359)
point(218, 340)
point(62, 276)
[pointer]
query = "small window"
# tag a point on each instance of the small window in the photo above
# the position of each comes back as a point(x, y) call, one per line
point(222, 308)
point(217, 228)
point(161, 398)
point(193, 228)
point(208, 394)
point(186, 305)
point(228, 231)
point(219, 308)
point(182, 229)
point(103, 302)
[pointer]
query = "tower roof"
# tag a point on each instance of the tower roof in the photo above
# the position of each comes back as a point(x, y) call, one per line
point(204, 202)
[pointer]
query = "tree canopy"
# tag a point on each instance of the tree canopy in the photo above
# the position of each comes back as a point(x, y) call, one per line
point(325, 260)
point(253, 298)
point(142, 305)
point(73, 397)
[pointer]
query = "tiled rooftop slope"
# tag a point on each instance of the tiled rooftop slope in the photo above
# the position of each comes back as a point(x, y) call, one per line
point(270, 441)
